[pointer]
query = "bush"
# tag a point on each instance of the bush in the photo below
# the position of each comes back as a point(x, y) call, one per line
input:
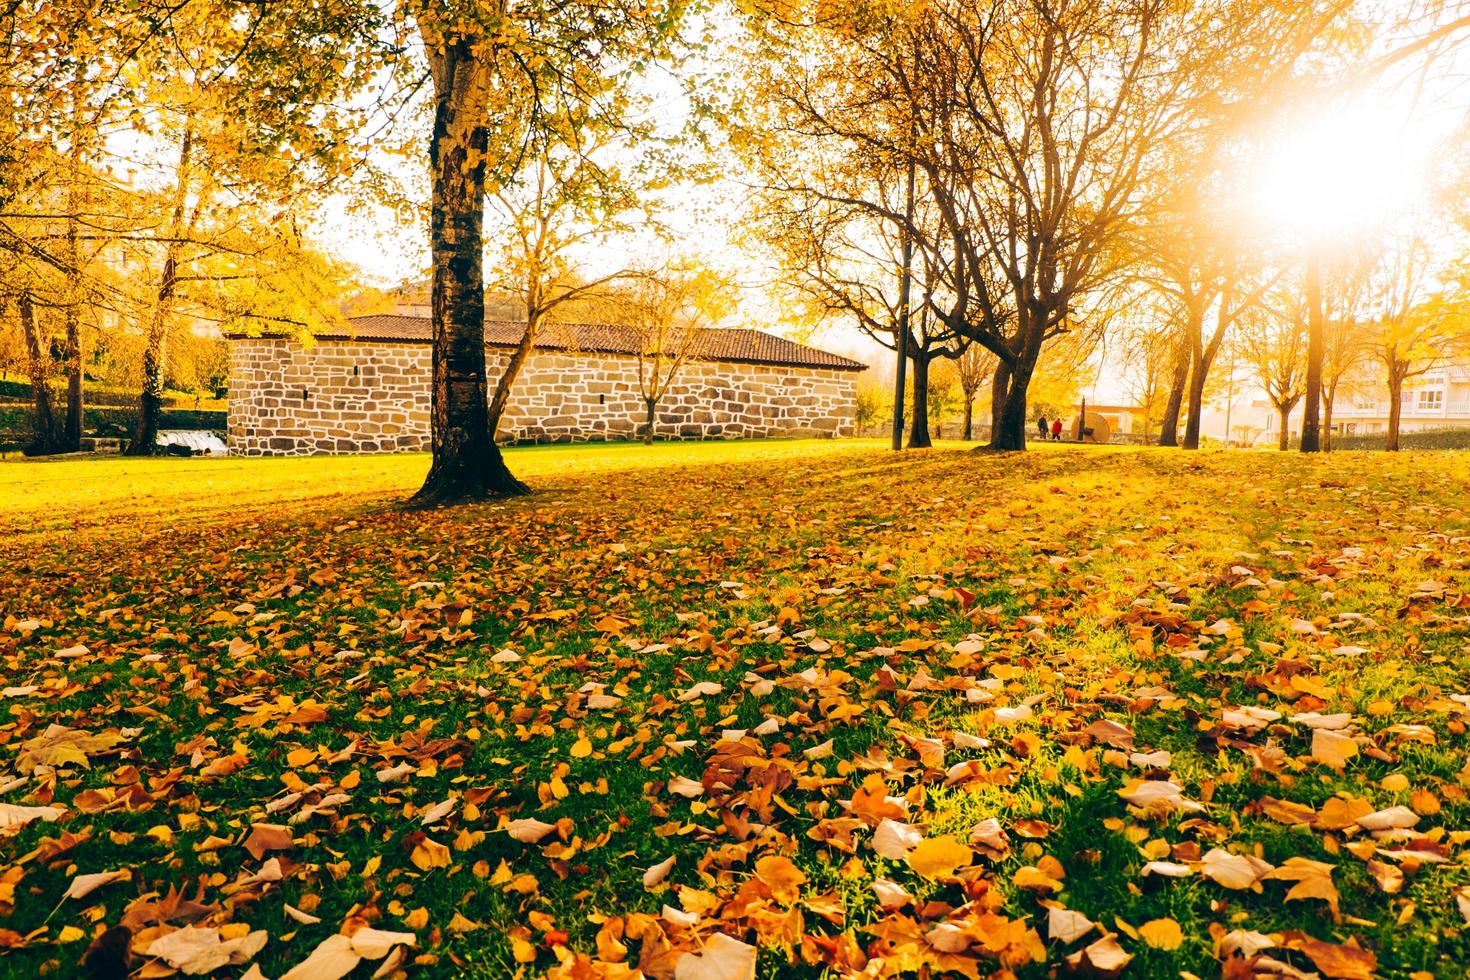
point(1458, 438)
point(102, 420)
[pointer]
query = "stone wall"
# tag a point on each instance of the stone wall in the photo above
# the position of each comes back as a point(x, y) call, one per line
point(350, 396)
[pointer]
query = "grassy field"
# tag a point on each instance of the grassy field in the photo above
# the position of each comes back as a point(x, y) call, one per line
point(699, 710)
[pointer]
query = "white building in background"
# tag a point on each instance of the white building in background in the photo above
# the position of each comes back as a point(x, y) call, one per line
point(1440, 399)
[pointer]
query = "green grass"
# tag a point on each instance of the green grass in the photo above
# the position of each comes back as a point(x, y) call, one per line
point(387, 619)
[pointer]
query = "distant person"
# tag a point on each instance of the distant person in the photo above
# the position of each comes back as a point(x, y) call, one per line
point(1056, 430)
point(1041, 427)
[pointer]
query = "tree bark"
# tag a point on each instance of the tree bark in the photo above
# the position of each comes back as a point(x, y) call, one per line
point(1395, 409)
point(919, 424)
point(652, 405)
point(45, 439)
point(969, 416)
point(503, 384)
point(1000, 387)
point(1329, 395)
point(467, 465)
point(1202, 359)
point(1285, 441)
point(1316, 336)
point(71, 436)
point(1169, 424)
point(1196, 405)
point(155, 357)
point(155, 348)
point(1010, 435)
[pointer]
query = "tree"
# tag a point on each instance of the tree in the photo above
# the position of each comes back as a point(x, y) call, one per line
point(1346, 338)
point(1151, 351)
point(1275, 344)
point(974, 367)
point(873, 405)
point(565, 197)
point(245, 140)
point(943, 392)
point(1034, 166)
point(12, 345)
point(1035, 128)
point(1416, 324)
point(46, 435)
point(1193, 259)
point(842, 259)
point(504, 76)
point(670, 310)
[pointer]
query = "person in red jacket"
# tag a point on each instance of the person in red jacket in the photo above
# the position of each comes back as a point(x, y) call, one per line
point(1056, 430)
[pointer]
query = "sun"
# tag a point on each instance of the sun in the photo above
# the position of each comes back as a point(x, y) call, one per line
point(1356, 166)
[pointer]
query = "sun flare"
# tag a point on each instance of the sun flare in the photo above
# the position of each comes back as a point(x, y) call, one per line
point(1354, 167)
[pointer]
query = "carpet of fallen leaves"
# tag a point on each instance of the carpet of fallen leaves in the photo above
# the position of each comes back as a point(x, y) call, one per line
point(734, 711)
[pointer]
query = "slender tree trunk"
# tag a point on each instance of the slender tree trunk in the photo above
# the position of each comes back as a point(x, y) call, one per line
point(919, 424)
point(467, 464)
point(155, 348)
point(72, 434)
point(155, 357)
point(503, 384)
point(969, 416)
point(1285, 441)
point(1329, 395)
point(1316, 335)
point(45, 438)
point(1169, 425)
point(1395, 409)
point(652, 405)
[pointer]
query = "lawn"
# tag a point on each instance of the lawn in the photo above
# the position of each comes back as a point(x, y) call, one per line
point(700, 710)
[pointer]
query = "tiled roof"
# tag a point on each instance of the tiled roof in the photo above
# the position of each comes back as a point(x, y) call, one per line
point(739, 345)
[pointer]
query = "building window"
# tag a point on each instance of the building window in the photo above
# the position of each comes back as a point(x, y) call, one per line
point(1432, 400)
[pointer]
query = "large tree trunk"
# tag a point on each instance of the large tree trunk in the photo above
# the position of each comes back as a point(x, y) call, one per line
point(45, 439)
point(1285, 441)
point(1316, 335)
point(1010, 434)
point(1169, 425)
point(1395, 409)
point(919, 424)
point(1000, 388)
point(1196, 404)
point(467, 464)
point(648, 424)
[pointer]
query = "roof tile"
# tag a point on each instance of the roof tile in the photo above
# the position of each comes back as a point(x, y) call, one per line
point(741, 345)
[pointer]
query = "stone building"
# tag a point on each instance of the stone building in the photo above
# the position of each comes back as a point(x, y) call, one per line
point(366, 389)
